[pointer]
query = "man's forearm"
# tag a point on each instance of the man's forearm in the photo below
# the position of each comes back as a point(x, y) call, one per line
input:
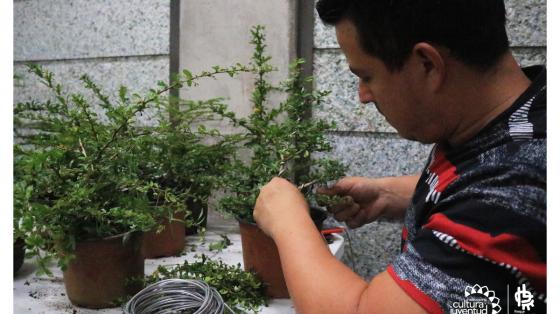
point(317, 281)
point(403, 188)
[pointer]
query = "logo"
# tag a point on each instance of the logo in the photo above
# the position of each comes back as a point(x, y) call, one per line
point(478, 300)
point(524, 298)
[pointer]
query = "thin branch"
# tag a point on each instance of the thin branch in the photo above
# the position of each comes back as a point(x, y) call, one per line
point(82, 147)
point(303, 186)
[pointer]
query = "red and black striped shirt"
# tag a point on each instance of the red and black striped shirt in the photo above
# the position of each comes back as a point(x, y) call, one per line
point(476, 228)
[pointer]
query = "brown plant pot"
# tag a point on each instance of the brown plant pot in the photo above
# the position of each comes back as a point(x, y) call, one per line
point(196, 208)
point(260, 255)
point(104, 270)
point(169, 242)
point(19, 254)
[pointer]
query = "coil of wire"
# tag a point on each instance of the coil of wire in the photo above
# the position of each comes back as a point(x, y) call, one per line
point(177, 296)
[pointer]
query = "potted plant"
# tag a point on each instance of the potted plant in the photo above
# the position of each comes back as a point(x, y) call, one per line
point(22, 194)
point(90, 203)
point(281, 142)
point(183, 158)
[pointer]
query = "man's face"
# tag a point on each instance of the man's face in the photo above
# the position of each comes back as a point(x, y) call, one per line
point(397, 95)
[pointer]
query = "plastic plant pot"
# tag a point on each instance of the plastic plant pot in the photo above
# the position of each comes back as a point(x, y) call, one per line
point(169, 242)
point(260, 255)
point(104, 270)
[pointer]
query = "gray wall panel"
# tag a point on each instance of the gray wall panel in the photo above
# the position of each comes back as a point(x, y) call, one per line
point(530, 56)
point(375, 155)
point(69, 29)
point(115, 42)
point(526, 22)
point(342, 104)
point(138, 74)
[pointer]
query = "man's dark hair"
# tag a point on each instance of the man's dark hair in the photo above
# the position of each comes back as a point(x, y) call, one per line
point(473, 30)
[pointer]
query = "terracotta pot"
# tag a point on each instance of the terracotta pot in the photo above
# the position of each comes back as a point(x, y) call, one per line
point(169, 242)
point(196, 208)
point(19, 254)
point(260, 255)
point(103, 271)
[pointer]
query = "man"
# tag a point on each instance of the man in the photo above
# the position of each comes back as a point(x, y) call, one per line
point(474, 235)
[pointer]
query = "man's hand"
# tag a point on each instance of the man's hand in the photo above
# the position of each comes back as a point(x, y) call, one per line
point(279, 203)
point(281, 212)
point(365, 200)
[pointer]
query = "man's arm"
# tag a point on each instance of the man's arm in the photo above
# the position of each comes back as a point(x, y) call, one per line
point(316, 280)
point(319, 283)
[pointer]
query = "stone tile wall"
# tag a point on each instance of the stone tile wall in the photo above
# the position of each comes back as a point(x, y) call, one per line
point(115, 42)
point(371, 147)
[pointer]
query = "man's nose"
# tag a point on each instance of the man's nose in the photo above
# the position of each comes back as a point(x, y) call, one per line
point(364, 93)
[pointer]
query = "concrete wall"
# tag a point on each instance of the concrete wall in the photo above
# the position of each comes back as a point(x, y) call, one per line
point(211, 36)
point(115, 42)
point(366, 142)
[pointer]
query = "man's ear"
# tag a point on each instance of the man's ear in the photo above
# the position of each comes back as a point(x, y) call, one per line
point(431, 63)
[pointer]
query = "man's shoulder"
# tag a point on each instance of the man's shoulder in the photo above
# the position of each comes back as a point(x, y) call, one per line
point(510, 177)
point(522, 126)
point(525, 156)
point(526, 119)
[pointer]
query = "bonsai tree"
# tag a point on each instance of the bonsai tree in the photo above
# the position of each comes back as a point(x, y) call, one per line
point(281, 140)
point(181, 156)
point(89, 171)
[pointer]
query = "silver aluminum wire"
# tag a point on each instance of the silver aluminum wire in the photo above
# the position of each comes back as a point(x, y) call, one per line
point(177, 296)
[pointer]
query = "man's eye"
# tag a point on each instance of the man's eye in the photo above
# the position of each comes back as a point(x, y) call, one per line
point(365, 79)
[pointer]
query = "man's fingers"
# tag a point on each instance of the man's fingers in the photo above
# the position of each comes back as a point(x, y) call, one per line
point(348, 213)
point(328, 191)
point(357, 221)
point(346, 202)
point(340, 188)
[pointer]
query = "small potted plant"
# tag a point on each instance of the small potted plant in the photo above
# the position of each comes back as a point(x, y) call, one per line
point(281, 142)
point(90, 203)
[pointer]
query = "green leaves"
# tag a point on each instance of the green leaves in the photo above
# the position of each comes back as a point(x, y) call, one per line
point(243, 291)
point(188, 75)
point(220, 244)
point(281, 139)
point(85, 167)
